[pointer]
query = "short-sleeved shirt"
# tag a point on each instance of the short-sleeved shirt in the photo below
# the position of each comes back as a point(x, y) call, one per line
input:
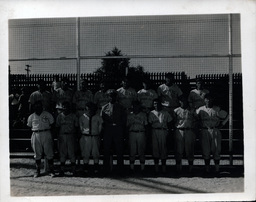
point(146, 97)
point(137, 122)
point(81, 98)
point(126, 97)
point(96, 124)
point(67, 123)
point(196, 97)
point(45, 97)
point(59, 96)
point(101, 98)
point(211, 117)
point(159, 119)
point(185, 118)
point(40, 122)
point(169, 95)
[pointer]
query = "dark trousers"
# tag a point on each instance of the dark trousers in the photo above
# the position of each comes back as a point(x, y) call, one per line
point(113, 139)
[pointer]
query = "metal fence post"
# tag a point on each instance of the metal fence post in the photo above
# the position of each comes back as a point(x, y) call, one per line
point(78, 51)
point(230, 92)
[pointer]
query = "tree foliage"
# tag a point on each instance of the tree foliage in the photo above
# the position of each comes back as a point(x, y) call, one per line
point(114, 66)
point(117, 68)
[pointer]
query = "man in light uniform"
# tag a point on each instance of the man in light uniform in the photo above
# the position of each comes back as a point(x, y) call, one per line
point(90, 126)
point(81, 98)
point(101, 98)
point(63, 94)
point(41, 123)
point(169, 93)
point(67, 125)
point(41, 95)
point(160, 122)
point(146, 96)
point(184, 134)
point(136, 122)
point(126, 95)
point(212, 118)
point(196, 96)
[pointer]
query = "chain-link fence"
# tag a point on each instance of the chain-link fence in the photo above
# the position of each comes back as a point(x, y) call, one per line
point(197, 45)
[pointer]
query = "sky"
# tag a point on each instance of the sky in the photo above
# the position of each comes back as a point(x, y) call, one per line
point(154, 39)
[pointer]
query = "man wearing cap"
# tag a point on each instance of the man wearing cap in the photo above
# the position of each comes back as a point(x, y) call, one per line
point(67, 127)
point(169, 93)
point(81, 98)
point(211, 118)
point(136, 123)
point(184, 134)
point(126, 95)
point(160, 123)
point(101, 98)
point(146, 96)
point(41, 123)
point(114, 121)
point(90, 126)
point(62, 94)
point(41, 94)
point(196, 96)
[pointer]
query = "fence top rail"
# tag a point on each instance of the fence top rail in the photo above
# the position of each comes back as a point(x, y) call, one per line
point(128, 56)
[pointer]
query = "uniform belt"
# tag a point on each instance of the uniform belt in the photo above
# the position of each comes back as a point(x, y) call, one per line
point(90, 135)
point(160, 128)
point(38, 131)
point(137, 131)
point(112, 124)
point(184, 128)
point(65, 133)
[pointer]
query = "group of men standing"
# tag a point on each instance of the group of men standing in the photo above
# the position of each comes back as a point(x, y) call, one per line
point(115, 115)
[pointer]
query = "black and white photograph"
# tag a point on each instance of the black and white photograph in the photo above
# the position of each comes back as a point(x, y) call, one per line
point(153, 105)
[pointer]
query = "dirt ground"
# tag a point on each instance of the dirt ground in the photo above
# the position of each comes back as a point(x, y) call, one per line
point(230, 180)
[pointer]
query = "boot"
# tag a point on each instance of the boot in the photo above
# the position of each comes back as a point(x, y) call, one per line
point(142, 167)
point(217, 166)
point(132, 167)
point(38, 166)
point(163, 166)
point(73, 167)
point(207, 166)
point(156, 162)
point(51, 173)
point(86, 168)
point(178, 166)
point(62, 165)
point(190, 166)
point(96, 168)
